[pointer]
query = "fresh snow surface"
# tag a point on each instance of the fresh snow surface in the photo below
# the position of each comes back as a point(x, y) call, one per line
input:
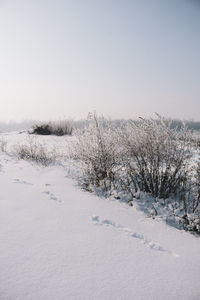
point(59, 242)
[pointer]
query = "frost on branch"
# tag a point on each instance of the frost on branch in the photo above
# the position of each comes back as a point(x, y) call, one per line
point(96, 147)
point(157, 156)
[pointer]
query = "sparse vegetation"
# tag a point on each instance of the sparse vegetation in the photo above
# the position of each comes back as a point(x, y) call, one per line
point(36, 152)
point(150, 156)
point(130, 159)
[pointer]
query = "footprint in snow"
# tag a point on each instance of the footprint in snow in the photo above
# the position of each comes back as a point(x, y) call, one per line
point(151, 244)
point(22, 181)
point(52, 196)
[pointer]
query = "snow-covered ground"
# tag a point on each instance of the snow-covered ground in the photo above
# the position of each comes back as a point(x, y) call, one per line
point(59, 242)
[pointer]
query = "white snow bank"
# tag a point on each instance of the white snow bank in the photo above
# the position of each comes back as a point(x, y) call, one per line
point(58, 242)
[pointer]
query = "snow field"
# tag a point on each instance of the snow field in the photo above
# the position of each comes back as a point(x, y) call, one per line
point(59, 242)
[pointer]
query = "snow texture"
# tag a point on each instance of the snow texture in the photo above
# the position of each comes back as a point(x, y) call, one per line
point(58, 242)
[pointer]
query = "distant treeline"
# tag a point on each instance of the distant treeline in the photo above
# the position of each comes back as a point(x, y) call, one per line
point(192, 125)
point(27, 124)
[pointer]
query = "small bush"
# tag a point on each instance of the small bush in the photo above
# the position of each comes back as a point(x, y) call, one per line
point(156, 157)
point(97, 149)
point(59, 128)
point(43, 129)
point(191, 202)
point(36, 152)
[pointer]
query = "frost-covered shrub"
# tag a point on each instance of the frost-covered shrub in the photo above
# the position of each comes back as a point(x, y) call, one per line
point(191, 202)
point(97, 148)
point(56, 128)
point(63, 127)
point(197, 142)
point(147, 156)
point(156, 157)
point(3, 145)
point(35, 151)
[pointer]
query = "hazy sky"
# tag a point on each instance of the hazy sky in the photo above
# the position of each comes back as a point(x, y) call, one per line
point(122, 58)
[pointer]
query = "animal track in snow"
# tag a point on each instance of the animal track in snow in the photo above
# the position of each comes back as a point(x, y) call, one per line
point(52, 196)
point(151, 244)
point(22, 181)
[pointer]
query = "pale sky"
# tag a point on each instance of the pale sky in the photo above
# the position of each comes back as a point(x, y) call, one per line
point(122, 58)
